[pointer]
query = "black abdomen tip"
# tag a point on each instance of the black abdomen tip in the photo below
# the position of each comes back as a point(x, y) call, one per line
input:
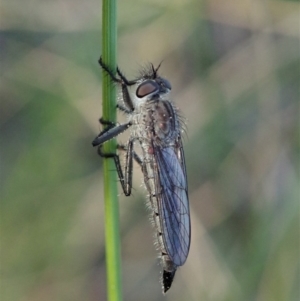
point(167, 280)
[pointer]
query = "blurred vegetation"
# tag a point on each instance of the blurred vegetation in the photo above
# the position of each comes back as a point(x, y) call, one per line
point(234, 68)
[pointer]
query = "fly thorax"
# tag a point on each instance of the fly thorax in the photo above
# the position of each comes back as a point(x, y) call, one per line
point(162, 121)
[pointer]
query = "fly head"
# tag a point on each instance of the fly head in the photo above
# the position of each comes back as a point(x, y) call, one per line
point(153, 88)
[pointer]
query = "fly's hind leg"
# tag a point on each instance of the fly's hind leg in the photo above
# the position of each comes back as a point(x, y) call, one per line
point(126, 176)
point(125, 182)
point(136, 157)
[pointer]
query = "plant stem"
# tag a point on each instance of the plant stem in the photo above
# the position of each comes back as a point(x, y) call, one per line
point(112, 235)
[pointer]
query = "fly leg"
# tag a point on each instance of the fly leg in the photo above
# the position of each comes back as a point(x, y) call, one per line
point(110, 132)
point(126, 180)
point(124, 82)
point(126, 176)
point(134, 154)
point(123, 108)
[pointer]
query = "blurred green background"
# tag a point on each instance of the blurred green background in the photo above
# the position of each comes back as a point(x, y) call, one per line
point(234, 68)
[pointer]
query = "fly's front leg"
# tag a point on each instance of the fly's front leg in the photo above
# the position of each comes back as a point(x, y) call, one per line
point(112, 131)
point(124, 82)
point(123, 108)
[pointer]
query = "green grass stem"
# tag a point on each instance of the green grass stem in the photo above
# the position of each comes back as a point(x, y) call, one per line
point(112, 235)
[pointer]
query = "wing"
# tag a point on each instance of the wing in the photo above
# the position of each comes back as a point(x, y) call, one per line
point(173, 202)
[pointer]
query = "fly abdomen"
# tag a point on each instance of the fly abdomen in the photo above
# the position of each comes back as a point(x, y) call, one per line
point(156, 218)
point(169, 268)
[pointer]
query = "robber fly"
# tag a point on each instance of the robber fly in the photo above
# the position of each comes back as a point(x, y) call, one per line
point(156, 125)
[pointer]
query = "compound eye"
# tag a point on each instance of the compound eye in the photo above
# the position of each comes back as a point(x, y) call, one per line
point(166, 83)
point(146, 88)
